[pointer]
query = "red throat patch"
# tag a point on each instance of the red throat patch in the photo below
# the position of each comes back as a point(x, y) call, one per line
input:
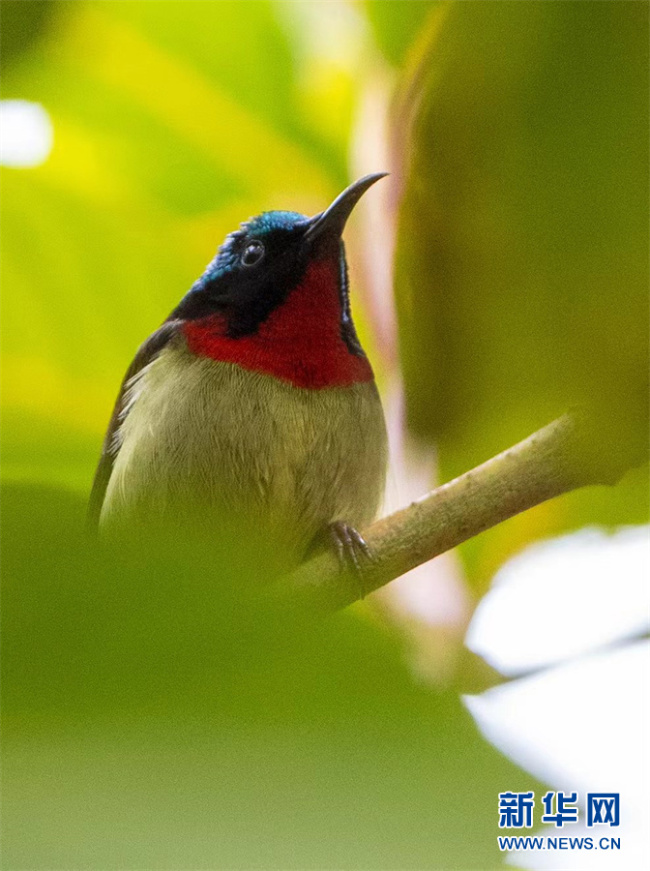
point(299, 342)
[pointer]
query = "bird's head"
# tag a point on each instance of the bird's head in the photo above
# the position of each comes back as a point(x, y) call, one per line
point(282, 277)
point(259, 265)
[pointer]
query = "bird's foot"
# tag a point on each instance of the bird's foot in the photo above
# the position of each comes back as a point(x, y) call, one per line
point(350, 548)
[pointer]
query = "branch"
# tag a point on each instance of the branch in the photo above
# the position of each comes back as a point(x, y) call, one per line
point(565, 455)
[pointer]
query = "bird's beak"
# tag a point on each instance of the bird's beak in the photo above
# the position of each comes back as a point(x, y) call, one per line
point(331, 222)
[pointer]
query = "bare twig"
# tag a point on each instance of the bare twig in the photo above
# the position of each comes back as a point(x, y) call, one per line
point(567, 454)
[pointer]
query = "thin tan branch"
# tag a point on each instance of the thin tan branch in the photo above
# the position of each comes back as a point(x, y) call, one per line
point(567, 454)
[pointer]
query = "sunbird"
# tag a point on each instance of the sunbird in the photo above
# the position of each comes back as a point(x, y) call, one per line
point(255, 397)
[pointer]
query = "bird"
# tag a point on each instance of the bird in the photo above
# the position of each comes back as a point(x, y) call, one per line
point(254, 398)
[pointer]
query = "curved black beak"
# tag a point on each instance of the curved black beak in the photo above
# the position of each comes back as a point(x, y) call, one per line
point(332, 221)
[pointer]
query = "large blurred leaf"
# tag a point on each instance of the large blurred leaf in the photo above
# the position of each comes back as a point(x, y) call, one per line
point(522, 263)
point(156, 715)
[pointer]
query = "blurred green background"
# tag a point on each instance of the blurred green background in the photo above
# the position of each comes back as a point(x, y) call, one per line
point(152, 717)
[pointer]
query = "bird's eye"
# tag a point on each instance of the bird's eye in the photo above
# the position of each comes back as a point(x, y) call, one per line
point(253, 253)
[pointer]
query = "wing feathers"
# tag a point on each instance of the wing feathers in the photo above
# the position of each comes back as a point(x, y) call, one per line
point(147, 352)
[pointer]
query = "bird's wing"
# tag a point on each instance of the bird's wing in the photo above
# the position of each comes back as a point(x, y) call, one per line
point(146, 353)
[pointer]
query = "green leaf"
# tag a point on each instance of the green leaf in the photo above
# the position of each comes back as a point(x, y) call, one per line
point(522, 259)
point(156, 714)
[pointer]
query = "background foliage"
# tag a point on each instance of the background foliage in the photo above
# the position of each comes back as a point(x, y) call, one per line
point(153, 718)
point(522, 259)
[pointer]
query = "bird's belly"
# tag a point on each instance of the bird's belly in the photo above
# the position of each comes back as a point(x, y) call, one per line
point(210, 437)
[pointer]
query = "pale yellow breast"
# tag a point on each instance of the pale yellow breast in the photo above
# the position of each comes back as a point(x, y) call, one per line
point(213, 435)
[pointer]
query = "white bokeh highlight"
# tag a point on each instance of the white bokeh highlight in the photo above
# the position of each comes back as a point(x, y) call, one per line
point(26, 134)
point(564, 597)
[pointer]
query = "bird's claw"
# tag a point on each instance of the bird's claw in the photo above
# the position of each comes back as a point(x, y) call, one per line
point(350, 547)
